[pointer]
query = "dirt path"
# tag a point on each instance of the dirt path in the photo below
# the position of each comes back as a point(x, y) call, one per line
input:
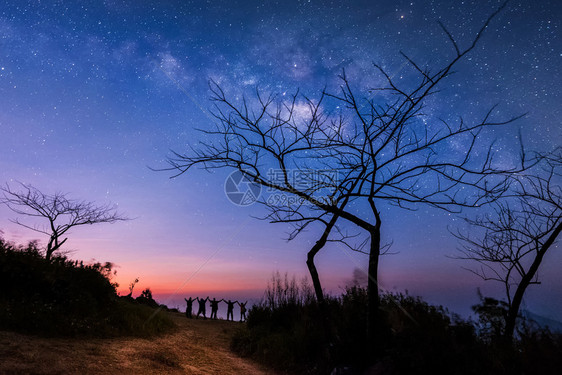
point(197, 347)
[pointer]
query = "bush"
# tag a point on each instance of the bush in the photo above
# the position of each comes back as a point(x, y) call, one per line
point(539, 351)
point(290, 331)
point(145, 298)
point(285, 331)
point(65, 297)
point(428, 339)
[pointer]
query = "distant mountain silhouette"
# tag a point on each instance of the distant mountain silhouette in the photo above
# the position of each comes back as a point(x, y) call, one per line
point(542, 321)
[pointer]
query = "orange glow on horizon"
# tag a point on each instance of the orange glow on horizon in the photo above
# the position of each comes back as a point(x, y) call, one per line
point(203, 285)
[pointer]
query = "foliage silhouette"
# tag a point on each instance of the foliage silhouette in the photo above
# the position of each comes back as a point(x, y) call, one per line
point(145, 298)
point(62, 297)
point(285, 331)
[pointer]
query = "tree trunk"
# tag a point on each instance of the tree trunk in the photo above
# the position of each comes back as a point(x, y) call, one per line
point(53, 246)
point(49, 250)
point(314, 273)
point(374, 323)
point(310, 259)
point(513, 311)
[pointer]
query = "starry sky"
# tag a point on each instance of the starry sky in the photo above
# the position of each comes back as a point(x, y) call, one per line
point(96, 93)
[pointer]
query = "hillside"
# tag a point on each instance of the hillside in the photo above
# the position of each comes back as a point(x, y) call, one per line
point(196, 347)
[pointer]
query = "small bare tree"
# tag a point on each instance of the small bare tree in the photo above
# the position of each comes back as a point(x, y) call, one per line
point(516, 237)
point(60, 212)
point(132, 287)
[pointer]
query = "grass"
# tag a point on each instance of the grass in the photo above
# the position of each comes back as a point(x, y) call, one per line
point(195, 346)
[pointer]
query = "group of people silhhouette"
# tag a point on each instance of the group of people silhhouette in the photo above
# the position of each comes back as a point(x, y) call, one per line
point(214, 308)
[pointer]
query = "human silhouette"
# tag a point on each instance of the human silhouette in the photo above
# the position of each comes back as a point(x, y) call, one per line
point(214, 307)
point(230, 309)
point(202, 307)
point(189, 307)
point(242, 311)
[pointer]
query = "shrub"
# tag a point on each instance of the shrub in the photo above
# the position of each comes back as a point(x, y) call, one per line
point(145, 298)
point(290, 331)
point(538, 351)
point(285, 331)
point(428, 339)
point(65, 297)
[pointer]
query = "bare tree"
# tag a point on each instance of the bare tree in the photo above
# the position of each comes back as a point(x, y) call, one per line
point(301, 217)
point(389, 153)
point(60, 212)
point(517, 235)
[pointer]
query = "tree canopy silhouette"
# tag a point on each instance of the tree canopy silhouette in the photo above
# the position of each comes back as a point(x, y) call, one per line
point(515, 238)
point(60, 212)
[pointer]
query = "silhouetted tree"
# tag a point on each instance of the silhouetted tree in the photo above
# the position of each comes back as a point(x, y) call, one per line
point(383, 153)
point(517, 235)
point(132, 287)
point(492, 317)
point(61, 213)
point(146, 298)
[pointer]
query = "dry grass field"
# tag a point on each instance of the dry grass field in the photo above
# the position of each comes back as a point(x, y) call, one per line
point(196, 347)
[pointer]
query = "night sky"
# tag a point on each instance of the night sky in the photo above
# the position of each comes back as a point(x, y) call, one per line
point(94, 94)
